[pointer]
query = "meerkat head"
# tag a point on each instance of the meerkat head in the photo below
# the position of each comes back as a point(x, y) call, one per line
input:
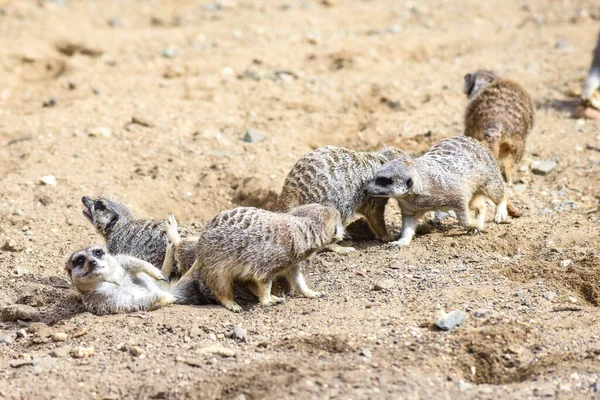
point(476, 81)
point(87, 267)
point(393, 179)
point(328, 217)
point(392, 153)
point(104, 213)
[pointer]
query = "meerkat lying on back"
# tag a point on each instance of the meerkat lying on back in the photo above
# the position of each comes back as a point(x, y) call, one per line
point(456, 174)
point(116, 284)
point(337, 177)
point(255, 246)
point(141, 238)
point(500, 114)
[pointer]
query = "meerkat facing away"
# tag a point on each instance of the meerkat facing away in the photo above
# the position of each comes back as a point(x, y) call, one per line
point(145, 239)
point(256, 246)
point(116, 284)
point(337, 177)
point(456, 174)
point(500, 114)
point(591, 92)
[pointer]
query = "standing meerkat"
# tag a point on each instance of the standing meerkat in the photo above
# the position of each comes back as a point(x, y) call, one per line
point(256, 246)
point(456, 174)
point(591, 92)
point(500, 114)
point(145, 239)
point(116, 284)
point(337, 177)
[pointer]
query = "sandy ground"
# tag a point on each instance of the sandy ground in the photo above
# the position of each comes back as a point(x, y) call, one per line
point(354, 73)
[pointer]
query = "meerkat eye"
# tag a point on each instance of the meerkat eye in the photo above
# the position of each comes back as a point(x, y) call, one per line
point(409, 183)
point(79, 261)
point(98, 206)
point(98, 253)
point(382, 181)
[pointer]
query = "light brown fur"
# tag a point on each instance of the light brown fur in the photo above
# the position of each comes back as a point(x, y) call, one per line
point(501, 115)
point(255, 246)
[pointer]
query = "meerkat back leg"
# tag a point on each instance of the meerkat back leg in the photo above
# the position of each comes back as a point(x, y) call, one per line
point(374, 211)
point(135, 266)
point(501, 210)
point(258, 289)
point(296, 280)
point(409, 227)
point(163, 299)
point(220, 284)
point(479, 206)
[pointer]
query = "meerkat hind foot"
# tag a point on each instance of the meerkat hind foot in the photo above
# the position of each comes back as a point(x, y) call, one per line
point(336, 248)
point(172, 229)
point(402, 242)
point(501, 213)
point(473, 231)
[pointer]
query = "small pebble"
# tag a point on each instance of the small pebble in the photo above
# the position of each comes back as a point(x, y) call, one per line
point(23, 312)
point(49, 180)
point(450, 320)
point(170, 52)
point(366, 352)
point(20, 271)
point(384, 284)
point(22, 334)
point(61, 352)
point(136, 351)
point(481, 313)
point(20, 363)
point(550, 295)
point(82, 352)
point(565, 263)
point(51, 102)
point(59, 337)
point(100, 131)
point(238, 333)
point(543, 167)
point(254, 136)
point(6, 339)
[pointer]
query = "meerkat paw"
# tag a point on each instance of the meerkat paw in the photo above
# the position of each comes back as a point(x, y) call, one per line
point(172, 232)
point(232, 306)
point(388, 238)
point(277, 299)
point(311, 294)
point(402, 242)
point(336, 248)
point(473, 230)
point(163, 300)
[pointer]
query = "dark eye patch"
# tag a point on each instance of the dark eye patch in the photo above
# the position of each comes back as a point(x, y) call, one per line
point(99, 206)
point(409, 183)
point(79, 261)
point(98, 253)
point(382, 181)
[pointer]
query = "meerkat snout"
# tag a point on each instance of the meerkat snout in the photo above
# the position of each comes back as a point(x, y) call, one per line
point(394, 179)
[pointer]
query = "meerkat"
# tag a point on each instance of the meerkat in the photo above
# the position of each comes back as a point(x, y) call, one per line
point(256, 246)
point(456, 174)
point(145, 239)
point(337, 177)
point(500, 114)
point(116, 284)
point(590, 94)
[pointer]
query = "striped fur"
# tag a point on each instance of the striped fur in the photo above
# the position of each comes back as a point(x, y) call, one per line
point(501, 115)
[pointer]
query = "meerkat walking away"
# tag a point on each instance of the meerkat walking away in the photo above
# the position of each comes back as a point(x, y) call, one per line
point(141, 238)
point(591, 90)
point(456, 174)
point(116, 284)
point(337, 177)
point(500, 114)
point(255, 246)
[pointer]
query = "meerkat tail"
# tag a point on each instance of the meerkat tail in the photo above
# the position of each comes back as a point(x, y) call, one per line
point(512, 210)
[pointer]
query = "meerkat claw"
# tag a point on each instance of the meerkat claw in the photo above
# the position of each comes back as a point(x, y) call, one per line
point(473, 231)
point(277, 300)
